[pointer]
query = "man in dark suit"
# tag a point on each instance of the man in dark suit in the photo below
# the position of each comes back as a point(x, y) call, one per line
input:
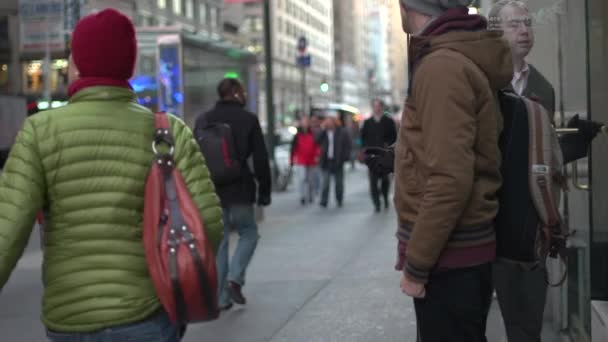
point(520, 286)
point(336, 146)
point(379, 131)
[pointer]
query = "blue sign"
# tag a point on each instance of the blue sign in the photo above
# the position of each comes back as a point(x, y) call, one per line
point(304, 61)
point(170, 80)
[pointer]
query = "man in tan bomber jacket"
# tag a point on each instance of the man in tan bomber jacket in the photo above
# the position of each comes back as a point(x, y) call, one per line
point(447, 167)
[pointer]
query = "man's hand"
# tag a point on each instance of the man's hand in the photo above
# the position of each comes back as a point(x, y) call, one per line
point(264, 201)
point(576, 146)
point(380, 161)
point(412, 289)
point(587, 128)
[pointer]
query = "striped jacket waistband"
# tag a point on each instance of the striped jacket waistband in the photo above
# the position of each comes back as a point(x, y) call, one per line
point(462, 235)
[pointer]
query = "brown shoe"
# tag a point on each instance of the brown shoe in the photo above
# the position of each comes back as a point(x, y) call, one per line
point(236, 293)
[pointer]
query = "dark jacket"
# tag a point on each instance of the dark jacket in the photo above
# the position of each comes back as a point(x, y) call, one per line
point(539, 88)
point(249, 143)
point(3, 157)
point(381, 133)
point(342, 148)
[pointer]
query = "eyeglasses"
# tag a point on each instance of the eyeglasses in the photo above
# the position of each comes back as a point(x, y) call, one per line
point(516, 23)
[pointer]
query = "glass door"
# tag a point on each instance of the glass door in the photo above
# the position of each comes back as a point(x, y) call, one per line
point(597, 23)
point(560, 54)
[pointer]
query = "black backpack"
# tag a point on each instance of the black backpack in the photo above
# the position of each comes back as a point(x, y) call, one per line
point(216, 141)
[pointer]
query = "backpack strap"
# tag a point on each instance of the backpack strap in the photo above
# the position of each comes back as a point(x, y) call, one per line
point(162, 133)
point(545, 174)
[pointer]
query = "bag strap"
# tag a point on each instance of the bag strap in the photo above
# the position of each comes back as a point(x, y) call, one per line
point(162, 133)
point(541, 163)
point(543, 167)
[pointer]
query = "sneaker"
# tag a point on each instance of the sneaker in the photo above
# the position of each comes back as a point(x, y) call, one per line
point(303, 201)
point(377, 209)
point(226, 307)
point(236, 293)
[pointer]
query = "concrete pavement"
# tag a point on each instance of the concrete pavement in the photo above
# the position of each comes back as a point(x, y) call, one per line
point(318, 275)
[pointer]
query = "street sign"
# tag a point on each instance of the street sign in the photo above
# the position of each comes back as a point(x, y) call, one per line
point(302, 44)
point(42, 25)
point(304, 61)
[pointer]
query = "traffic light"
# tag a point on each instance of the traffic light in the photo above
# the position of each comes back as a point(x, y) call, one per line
point(324, 87)
point(232, 74)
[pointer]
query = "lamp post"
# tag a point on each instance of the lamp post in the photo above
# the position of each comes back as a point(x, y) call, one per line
point(269, 89)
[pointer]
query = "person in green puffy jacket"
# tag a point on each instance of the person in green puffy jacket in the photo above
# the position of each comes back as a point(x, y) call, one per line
point(86, 164)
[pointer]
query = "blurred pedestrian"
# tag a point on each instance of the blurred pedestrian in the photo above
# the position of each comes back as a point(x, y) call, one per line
point(335, 152)
point(379, 131)
point(87, 164)
point(305, 154)
point(447, 167)
point(240, 195)
point(317, 175)
point(354, 133)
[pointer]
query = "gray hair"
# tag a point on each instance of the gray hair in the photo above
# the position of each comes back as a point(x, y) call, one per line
point(494, 19)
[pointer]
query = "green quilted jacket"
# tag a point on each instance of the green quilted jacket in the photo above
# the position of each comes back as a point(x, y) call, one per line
point(86, 163)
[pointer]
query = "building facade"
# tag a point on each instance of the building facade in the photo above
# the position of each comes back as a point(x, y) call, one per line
point(24, 70)
point(386, 52)
point(351, 75)
point(291, 19)
point(397, 57)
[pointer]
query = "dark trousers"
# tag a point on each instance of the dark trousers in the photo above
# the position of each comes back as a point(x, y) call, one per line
point(379, 185)
point(456, 305)
point(521, 296)
point(335, 171)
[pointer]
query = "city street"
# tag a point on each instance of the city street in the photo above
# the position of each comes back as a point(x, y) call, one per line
point(318, 275)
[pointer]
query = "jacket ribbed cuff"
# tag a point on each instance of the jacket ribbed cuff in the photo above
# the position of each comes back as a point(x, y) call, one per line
point(416, 274)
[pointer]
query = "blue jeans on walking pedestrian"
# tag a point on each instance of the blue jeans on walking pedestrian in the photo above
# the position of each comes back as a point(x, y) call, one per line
point(157, 328)
point(242, 219)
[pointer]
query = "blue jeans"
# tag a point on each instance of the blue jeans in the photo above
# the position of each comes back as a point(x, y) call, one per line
point(157, 328)
point(241, 218)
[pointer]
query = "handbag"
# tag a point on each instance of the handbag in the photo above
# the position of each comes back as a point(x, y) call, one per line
point(179, 255)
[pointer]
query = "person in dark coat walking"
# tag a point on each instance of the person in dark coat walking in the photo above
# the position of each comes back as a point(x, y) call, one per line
point(379, 131)
point(238, 197)
point(336, 146)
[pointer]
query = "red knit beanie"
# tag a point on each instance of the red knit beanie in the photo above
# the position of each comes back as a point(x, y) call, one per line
point(104, 45)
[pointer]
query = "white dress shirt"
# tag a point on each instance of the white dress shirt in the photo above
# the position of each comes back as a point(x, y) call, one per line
point(520, 79)
point(330, 148)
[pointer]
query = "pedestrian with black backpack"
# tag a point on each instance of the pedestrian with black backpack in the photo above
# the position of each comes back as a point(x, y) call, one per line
point(231, 140)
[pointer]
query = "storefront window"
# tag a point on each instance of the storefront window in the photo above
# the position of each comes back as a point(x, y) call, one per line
point(34, 76)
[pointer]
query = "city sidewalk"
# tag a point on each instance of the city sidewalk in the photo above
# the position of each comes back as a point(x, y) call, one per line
point(318, 275)
point(325, 275)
